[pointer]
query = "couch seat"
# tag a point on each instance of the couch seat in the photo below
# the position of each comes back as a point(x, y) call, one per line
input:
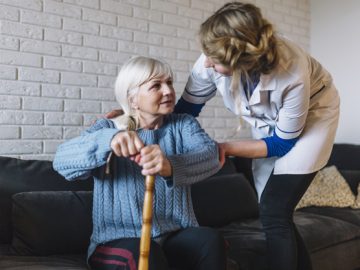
point(248, 246)
point(72, 262)
point(348, 214)
point(308, 224)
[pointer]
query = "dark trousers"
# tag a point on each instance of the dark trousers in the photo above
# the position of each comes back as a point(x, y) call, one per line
point(285, 248)
point(199, 248)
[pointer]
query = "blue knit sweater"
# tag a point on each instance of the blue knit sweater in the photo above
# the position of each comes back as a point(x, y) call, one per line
point(118, 198)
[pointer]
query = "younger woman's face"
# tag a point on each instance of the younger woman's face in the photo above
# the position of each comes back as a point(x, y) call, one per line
point(156, 97)
point(210, 63)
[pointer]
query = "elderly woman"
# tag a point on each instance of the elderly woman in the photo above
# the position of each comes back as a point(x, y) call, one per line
point(146, 140)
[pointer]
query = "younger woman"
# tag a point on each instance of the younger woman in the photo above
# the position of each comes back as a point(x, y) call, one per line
point(289, 100)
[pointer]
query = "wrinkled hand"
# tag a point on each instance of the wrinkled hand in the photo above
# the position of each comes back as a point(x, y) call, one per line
point(114, 113)
point(127, 144)
point(153, 161)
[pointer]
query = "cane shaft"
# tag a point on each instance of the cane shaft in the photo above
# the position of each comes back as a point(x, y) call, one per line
point(147, 222)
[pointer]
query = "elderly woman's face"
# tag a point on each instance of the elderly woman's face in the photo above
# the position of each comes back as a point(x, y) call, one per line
point(156, 97)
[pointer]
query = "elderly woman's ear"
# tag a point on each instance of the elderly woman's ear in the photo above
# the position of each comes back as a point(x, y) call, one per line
point(133, 102)
point(118, 112)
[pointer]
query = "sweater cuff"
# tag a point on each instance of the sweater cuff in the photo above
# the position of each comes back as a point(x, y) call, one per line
point(179, 172)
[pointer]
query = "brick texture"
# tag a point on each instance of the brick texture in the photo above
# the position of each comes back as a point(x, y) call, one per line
point(59, 60)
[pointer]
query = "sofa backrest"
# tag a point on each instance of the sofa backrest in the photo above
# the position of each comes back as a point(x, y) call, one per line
point(346, 159)
point(29, 175)
point(345, 156)
point(225, 197)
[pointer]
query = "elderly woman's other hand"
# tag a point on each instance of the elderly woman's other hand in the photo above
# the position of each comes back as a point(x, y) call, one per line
point(154, 161)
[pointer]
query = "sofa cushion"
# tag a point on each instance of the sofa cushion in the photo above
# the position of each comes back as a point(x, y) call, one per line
point(345, 156)
point(352, 177)
point(43, 263)
point(346, 214)
point(4, 250)
point(227, 168)
point(357, 201)
point(244, 165)
point(341, 256)
point(320, 231)
point(28, 175)
point(51, 222)
point(220, 200)
point(247, 241)
point(329, 188)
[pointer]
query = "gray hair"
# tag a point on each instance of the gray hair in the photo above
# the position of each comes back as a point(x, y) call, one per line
point(134, 73)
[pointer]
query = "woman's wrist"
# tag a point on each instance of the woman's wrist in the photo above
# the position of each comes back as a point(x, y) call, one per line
point(230, 148)
point(222, 153)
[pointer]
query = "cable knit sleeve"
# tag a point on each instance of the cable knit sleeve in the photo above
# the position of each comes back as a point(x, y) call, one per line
point(76, 158)
point(199, 156)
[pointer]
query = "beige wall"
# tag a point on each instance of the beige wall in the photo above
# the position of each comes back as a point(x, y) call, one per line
point(335, 39)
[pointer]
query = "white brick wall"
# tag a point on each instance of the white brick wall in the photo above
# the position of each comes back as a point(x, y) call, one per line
point(59, 60)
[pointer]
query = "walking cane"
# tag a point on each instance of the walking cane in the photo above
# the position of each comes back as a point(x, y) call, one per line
point(147, 222)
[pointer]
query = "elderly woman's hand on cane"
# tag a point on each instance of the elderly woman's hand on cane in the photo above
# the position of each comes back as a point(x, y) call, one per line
point(153, 162)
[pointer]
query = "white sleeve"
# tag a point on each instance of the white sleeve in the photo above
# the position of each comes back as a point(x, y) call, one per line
point(294, 110)
point(200, 86)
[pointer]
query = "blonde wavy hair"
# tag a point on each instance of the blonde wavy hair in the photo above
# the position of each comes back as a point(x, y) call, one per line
point(134, 73)
point(237, 36)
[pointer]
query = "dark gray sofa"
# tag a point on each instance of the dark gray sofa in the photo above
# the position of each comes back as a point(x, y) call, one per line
point(45, 221)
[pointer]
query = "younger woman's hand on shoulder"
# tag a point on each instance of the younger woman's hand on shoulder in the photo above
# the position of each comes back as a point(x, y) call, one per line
point(153, 161)
point(114, 113)
point(127, 144)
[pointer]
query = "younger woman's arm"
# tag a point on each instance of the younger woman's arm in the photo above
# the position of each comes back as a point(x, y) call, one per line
point(244, 148)
point(198, 90)
point(266, 147)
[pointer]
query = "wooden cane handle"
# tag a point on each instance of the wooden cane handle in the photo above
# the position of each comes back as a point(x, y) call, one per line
point(147, 222)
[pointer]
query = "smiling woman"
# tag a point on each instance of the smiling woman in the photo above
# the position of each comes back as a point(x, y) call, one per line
point(146, 140)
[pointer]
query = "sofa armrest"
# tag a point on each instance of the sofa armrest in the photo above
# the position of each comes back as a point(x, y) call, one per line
point(18, 175)
point(4, 250)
